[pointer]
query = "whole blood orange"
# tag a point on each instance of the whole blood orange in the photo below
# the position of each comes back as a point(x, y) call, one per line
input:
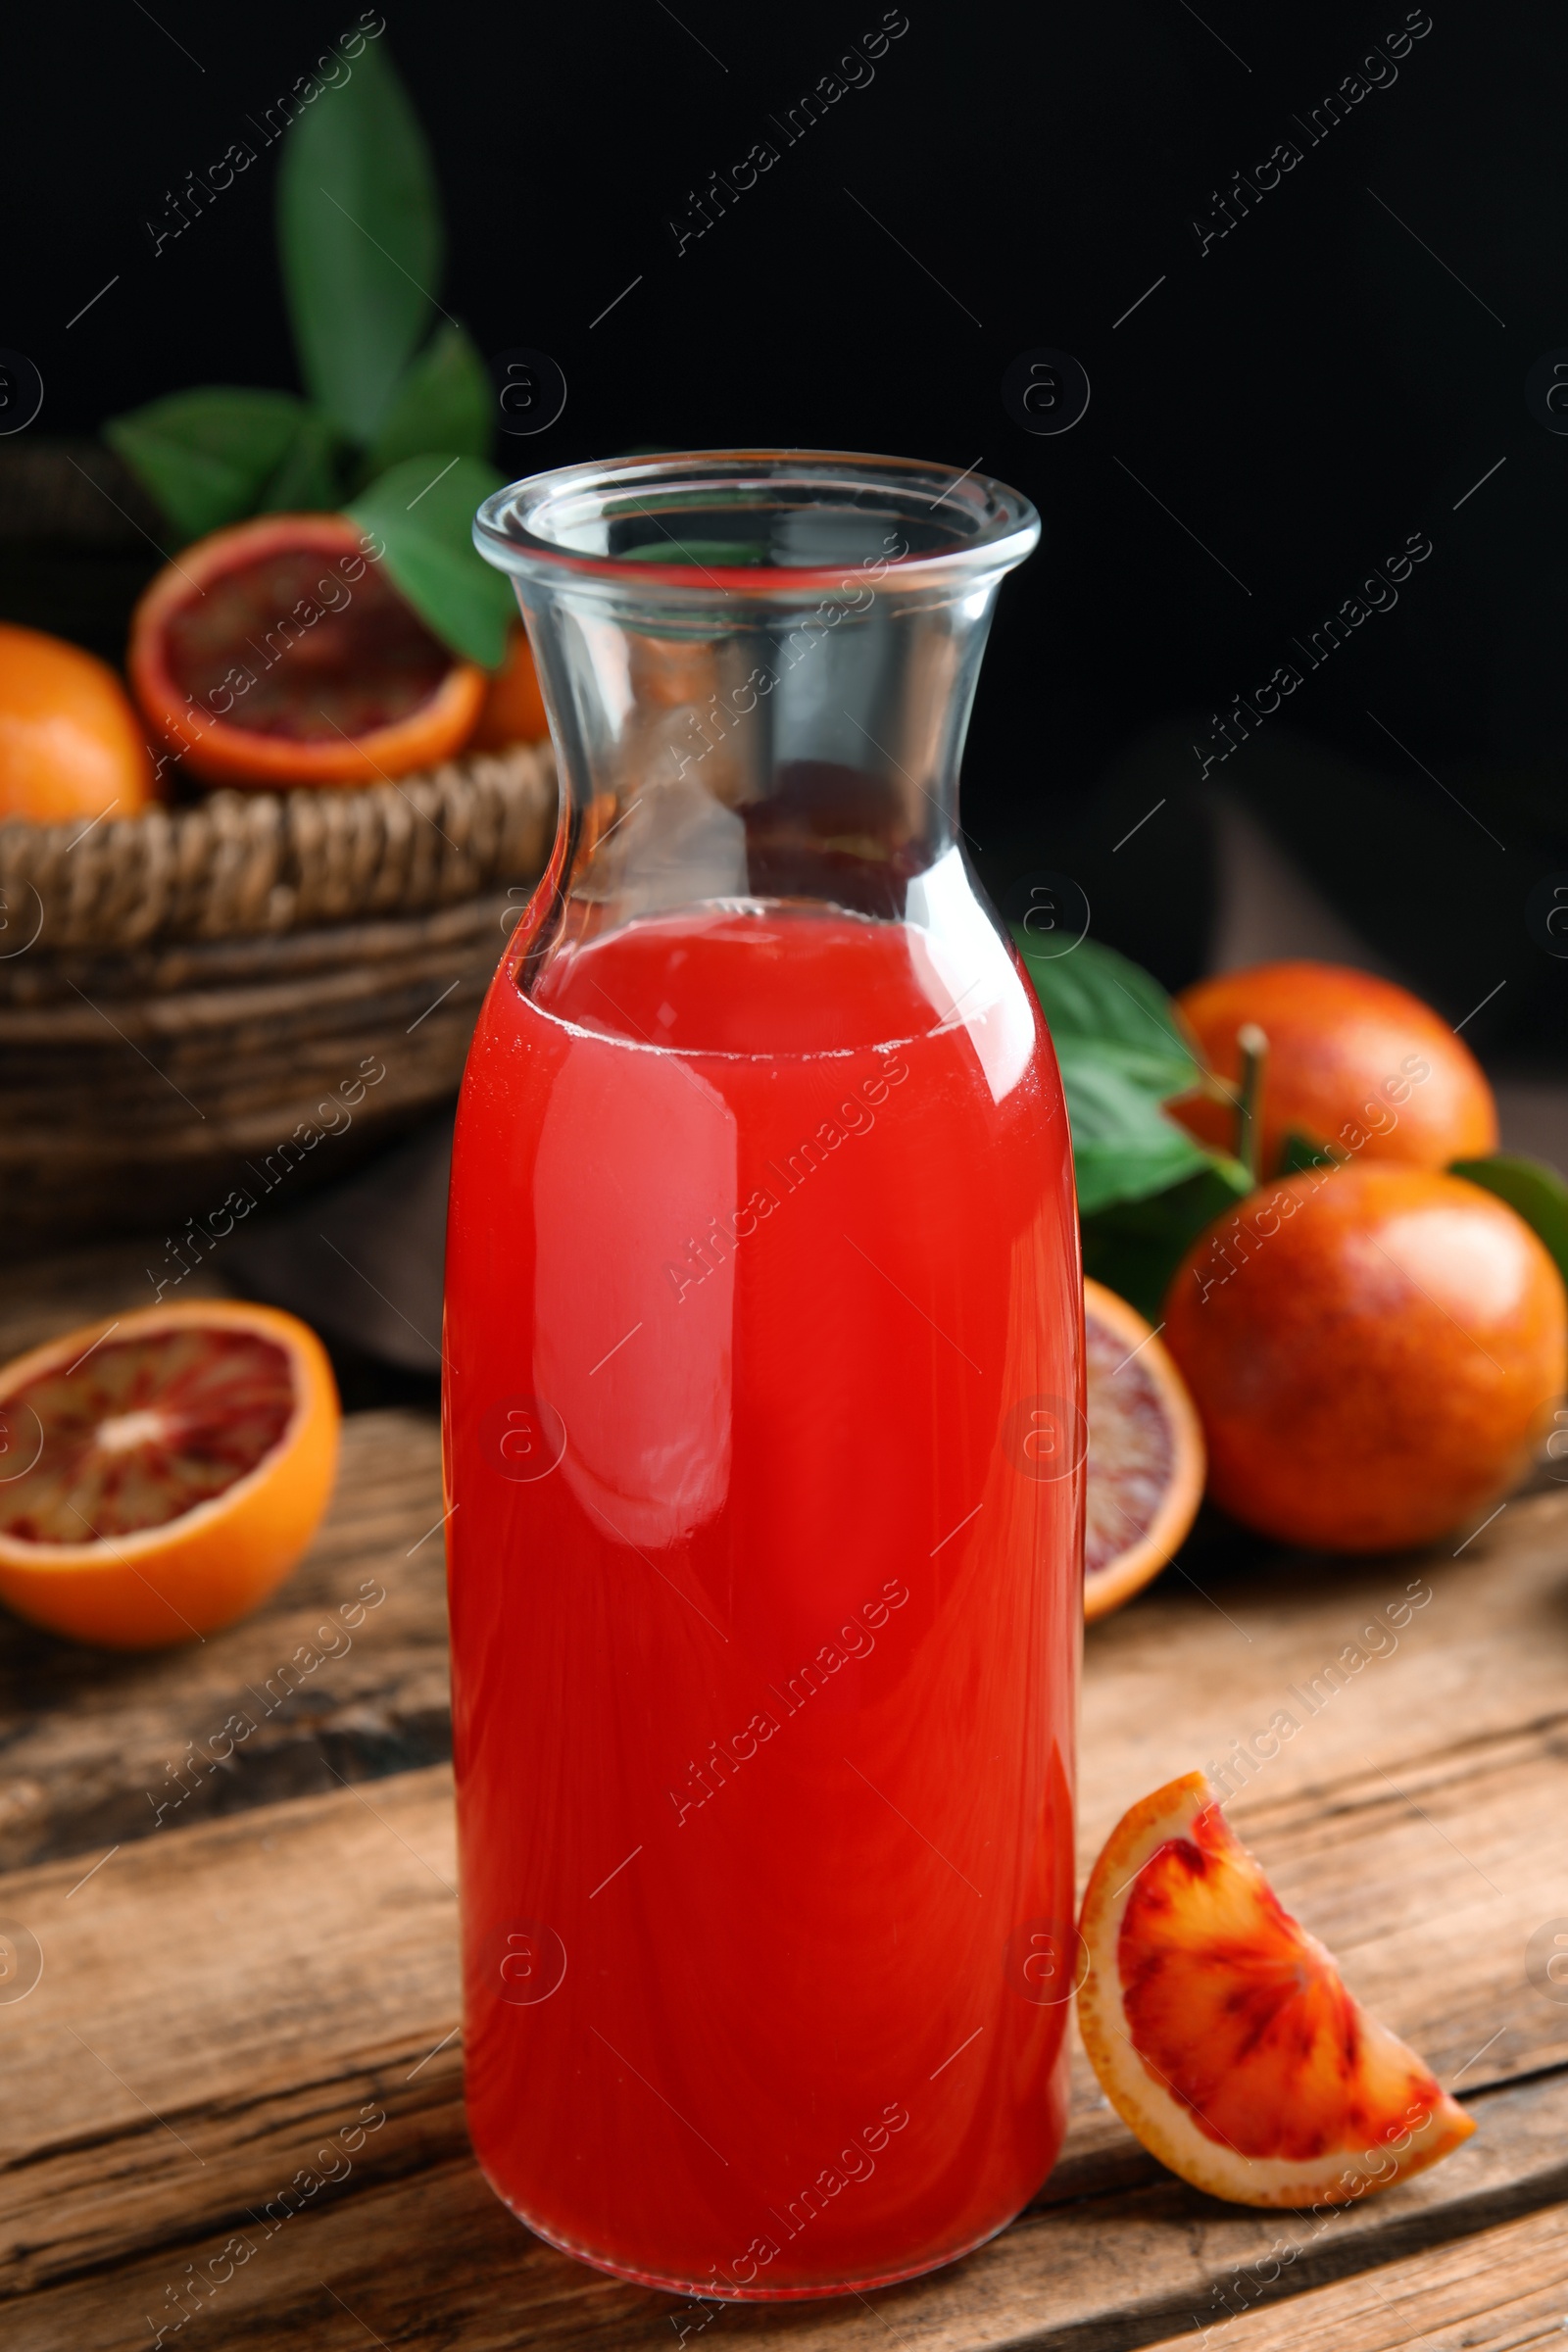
point(161, 1474)
point(1222, 2033)
point(1372, 1351)
point(513, 708)
point(1353, 1061)
point(70, 742)
point(1145, 1453)
point(279, 652)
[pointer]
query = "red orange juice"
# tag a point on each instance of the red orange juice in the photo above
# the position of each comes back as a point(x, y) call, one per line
point(765, 1442)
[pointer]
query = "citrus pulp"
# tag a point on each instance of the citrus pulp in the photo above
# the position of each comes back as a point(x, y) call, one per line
point(1145, 1453)
point(279, 652)
point(163, 1472)
point(1222, 2033)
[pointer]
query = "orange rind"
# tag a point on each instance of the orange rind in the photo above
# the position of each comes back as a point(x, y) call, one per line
point(163, 1472)
point(1222, 2033)
point(1145, 1454)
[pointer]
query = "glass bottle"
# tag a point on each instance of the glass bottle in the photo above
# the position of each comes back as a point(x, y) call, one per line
point(763, 1411)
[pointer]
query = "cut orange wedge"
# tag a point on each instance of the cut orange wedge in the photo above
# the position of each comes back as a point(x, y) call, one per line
point(162, 1473)
point(1145, 1454)
point(1222, 2033)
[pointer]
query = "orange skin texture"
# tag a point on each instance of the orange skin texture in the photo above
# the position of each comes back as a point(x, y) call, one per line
point(222, 754)
point(70, 742)
point(168, 1584)
point(1373, 1355)
point(513, 708)
point(1339, 1048)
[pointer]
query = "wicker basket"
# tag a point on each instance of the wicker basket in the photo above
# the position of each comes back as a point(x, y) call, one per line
point(240, 998)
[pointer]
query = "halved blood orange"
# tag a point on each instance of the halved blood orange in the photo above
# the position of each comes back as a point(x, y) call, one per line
point(164, 1471)
point(279, 652)
point(1222, 2033)
point(1145, 1454)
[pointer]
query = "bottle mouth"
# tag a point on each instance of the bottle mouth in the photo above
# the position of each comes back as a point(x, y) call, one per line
point(757, 523)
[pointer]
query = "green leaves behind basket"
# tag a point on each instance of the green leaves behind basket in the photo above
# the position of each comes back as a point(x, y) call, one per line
point(443, 400)
point(360, 241)
point(422, 514)
point(212, 456)
point(361, 247)
point(1146, 1187)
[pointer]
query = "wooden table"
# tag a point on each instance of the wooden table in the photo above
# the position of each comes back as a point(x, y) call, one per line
point(246, 1959)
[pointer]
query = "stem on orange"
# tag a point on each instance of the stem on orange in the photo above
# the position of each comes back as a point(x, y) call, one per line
point(1253, 1046)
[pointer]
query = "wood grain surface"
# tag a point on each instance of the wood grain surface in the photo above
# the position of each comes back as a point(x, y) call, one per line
point(250, 1957)
point(97, 1749)
point(1497, 2291)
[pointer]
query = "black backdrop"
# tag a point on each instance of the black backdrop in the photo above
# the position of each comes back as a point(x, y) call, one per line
point(1298, 398)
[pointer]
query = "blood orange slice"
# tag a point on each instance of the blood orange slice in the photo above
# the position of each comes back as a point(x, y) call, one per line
point(161, 1474)
point(1145, 1454)
point(279, 652)
point(1222, 2034)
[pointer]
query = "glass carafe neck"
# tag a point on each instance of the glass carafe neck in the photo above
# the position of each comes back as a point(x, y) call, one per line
point(758, 667)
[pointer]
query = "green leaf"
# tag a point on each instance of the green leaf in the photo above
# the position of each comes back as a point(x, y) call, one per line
point(1106, 1099)
point(1298, 1152)
point(1135, 1247)
point(359, 224)
point(1535, 1191)
point(672, 548)
point(444, 401)
point(1094, 996)
point(306, 481)
point(1121, 1055)
point(1131, 1167)
point(1123, 1144)
point(422, 514)
point(207, 456)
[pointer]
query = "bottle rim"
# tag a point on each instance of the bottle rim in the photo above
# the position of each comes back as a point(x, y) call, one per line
point(556, 528)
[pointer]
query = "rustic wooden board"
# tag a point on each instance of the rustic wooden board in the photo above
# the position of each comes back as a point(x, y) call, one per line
point(251, 1983)
point(433, 2263)
point(231, 1984)
point(314, 1947)
point(1495, 2292)
point(92, 1745)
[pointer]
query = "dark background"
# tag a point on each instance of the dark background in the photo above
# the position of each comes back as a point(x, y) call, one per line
point(1317, 386)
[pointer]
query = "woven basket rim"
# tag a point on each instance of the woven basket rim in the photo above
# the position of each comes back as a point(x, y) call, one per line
point(261, 863)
